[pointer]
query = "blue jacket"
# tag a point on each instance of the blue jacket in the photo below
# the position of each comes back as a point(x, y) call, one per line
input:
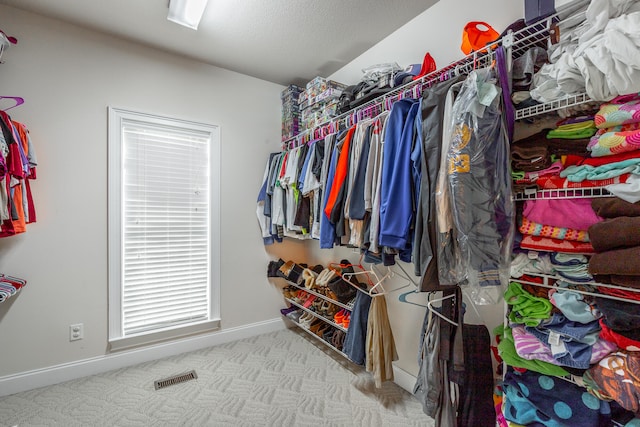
point(396, 193)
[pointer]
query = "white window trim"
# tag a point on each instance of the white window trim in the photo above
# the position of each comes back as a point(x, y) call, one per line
point(116, 341)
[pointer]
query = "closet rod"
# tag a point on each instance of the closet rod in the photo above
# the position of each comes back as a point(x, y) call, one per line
point(464, 66)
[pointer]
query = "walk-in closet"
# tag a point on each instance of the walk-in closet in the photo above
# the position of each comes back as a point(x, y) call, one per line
point(336, 213)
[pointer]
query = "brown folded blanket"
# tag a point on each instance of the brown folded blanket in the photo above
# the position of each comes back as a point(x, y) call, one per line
point(611, 207)
point(531, 153)
point(561, 147)
point(618, 261)
point(616, 279)
point(620, 232)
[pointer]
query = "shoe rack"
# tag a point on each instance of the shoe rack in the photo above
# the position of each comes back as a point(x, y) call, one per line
point(320, 316)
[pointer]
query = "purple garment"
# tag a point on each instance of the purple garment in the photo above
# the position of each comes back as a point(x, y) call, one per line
point(567, 213)
point(531, 348)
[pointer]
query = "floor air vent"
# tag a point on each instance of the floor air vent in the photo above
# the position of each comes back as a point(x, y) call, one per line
point(176, 379)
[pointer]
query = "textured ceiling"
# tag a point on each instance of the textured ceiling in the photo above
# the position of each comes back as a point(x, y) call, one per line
point(282, 41)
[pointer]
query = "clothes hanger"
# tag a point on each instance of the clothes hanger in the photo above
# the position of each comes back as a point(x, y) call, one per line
point(403, 298)
point(18, 101)
point(436, 312)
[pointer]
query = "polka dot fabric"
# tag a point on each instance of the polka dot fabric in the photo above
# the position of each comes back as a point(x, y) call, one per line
point(535, 398)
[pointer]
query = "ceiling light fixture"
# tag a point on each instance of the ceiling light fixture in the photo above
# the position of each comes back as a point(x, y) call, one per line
point(186, 12)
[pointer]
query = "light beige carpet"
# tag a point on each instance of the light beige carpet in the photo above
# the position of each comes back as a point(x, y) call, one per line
point(277, 379)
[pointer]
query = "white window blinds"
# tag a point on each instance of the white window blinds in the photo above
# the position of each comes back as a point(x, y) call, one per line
point(165, 226)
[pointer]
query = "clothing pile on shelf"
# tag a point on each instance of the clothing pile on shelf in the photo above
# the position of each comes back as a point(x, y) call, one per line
point(333, 305)
point(601, 150)
point(558, 225)
point(566, 334)
point(17, 167)
point(596, 53)
point(426, 181)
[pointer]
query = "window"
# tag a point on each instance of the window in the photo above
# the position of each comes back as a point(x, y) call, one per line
point(163, 228)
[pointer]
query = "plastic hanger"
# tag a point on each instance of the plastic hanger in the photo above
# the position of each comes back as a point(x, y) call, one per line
point(18, 101)
point(403, 298)
point(437, 313)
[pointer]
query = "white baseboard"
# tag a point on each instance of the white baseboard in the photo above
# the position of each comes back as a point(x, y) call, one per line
point(68, 371)
point(404, 379)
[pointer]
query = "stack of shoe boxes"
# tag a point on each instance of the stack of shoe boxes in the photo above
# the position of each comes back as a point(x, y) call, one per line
point(291, 124)
point(319, 101)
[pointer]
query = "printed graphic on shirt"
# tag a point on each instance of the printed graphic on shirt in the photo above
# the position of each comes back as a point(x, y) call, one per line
point(459, 163)
point(460, 137)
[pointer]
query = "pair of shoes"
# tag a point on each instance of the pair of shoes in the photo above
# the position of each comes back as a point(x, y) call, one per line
point(328, 334)
point(309, 301)
point(273, 267)
point(322, 329)
point(285, 311)
point(291, 271)
point(289, 292)
point(327, 309)
point(337, 340)
point(300, 296)
point(316, 325)
point(295, 315)
point(306, 319)
point(342, 318)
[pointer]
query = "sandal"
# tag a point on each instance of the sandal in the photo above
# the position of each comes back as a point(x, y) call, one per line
point(323, 328)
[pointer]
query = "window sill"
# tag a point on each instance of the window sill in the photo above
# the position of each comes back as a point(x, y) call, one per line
point(119, 344)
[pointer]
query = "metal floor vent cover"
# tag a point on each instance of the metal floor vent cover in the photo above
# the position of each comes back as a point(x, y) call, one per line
point(176, 379)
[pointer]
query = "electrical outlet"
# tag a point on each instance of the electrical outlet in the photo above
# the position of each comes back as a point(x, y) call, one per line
point(76, 332)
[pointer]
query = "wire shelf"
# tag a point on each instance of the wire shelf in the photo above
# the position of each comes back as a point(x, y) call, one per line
point(536, 34)
point(569, 101)
point(563, 193)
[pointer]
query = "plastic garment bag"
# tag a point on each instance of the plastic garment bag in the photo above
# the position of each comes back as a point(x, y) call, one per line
point(477, 187)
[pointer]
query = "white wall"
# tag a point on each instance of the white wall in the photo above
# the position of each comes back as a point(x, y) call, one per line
point(438, 31)
point(68, 76)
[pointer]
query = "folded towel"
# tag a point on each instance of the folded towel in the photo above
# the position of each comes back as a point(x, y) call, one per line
point(614, 207)
point(538, 243)
point(562, 147)
point(570, 213)
point(617, 261)
point(614, 140)
point(578, 130)
point(555, 182)
point(536, 229)
point(531, 153)
point(621, 232)
point(611, 114)
point(571, 160)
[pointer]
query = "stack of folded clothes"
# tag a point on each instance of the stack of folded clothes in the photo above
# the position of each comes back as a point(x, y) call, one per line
point(614, 161)
point(571, 136)
point(617, 242)
point(530, 157)
point(558, 225)
point(601, 150)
